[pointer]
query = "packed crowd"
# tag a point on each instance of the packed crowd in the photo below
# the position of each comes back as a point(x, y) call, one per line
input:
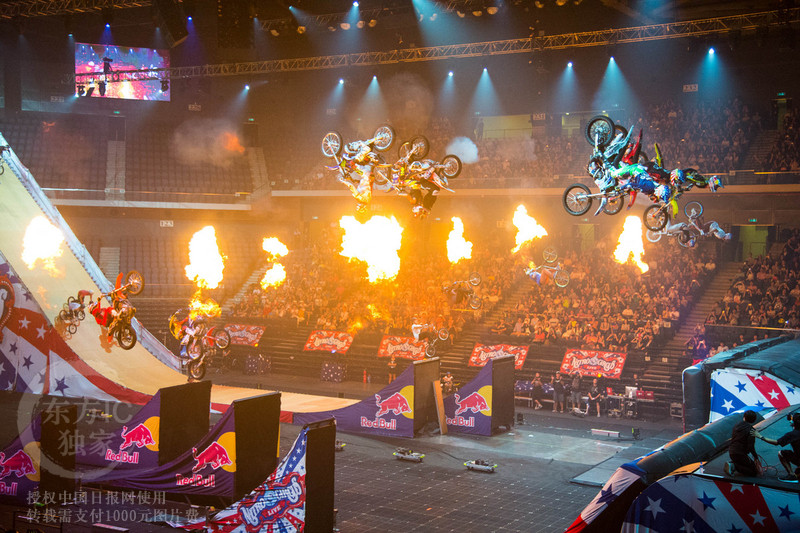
point(767, 292)
point(608, 306)
point(785, 155)
point(326, 291)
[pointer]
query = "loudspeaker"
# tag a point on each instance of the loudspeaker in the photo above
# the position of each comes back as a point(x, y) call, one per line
point(170, 18)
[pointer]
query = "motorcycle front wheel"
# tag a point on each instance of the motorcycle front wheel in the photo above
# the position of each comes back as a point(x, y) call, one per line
point(384, 137)
point(135, 282)
point(693, 208)
point(474, 279)
point(126, 336)
point(420, 145)
point(655, 217)
point(196, 369)
point(576, 199)
point(550, 255)
point(332, 144)
point(430, 350)
point(443, 334)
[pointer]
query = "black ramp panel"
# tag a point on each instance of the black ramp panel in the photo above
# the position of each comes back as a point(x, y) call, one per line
point(320, 469)
point(184, 418)
point(257, 433)
point(425, 373)
point(503, 392)
point(59, 438)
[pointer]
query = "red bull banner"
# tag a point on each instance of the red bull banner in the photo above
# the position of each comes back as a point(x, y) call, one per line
point(206, 469)
point(278, 504)
point(482, 353)
point(390, 412)
point(329, 341)
point(20, 470)
point(405, 347)
point(244, 334)
point(470, 409)
point(594, 363)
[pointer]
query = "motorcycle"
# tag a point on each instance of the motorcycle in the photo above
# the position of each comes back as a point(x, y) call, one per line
point(463, 290)
point(121, 326)
point(686, 234)
point(559, 274)
point(204, 344)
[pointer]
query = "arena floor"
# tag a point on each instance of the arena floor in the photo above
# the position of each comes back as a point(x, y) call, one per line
point(530, 491)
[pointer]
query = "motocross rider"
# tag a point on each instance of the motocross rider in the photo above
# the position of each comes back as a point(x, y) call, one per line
point(697, 221)
point(357, 167)
point(634, 177)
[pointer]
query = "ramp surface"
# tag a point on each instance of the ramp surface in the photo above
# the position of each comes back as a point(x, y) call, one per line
point(85, 364)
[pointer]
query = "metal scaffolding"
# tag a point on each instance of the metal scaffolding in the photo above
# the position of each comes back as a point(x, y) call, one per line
point(653, 32)
point(40, 8)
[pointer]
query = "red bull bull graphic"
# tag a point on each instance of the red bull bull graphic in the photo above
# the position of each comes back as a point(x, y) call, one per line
point(390, 412)
point(214, 456)
point(139, 435)
point(19, 465)
point(470, 409)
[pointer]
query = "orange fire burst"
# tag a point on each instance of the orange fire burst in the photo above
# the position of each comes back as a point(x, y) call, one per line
point(205, 262)
point(527, 228)
point(630, 246)
point(276, 275)
point(231, 142)
point(375, 242)
point(458, 248)
point(198, 307)
point(42, 243)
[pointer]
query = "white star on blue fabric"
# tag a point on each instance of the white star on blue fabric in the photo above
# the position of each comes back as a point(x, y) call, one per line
point(654, 507)
point(727, 404)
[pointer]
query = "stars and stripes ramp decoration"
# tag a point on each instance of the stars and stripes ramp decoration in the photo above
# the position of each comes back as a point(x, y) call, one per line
point(736, 389)
point(627, 477)
point(706, 504)
point(275, 506)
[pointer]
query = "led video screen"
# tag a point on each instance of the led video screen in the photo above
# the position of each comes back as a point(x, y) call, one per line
point(103, 60)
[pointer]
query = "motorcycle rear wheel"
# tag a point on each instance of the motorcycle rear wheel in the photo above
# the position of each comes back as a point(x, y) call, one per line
point(655, 217)
point(561, 277)
point(451, 166)
point(384, 137)
point(136, 282)
point(126, 336)
point(550, 255)
point(443, 334)
point(222, 339)
point(614, 204)
point(600, 129)
point(695, 206)
point(653, 236)
point(430, 350)
point(196, 369)
point(475, 302)
point(474, 279)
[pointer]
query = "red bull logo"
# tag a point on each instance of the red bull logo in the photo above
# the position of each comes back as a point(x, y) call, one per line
point(8, 490)
point(19, 464)
point(123, 457)
point(396, 403)
point(215, 456)
point(475, 402)
point(139, 435)
point(196, 480)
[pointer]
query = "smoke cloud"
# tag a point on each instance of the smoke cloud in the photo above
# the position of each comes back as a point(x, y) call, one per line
point(465, 149)
point(206, 141)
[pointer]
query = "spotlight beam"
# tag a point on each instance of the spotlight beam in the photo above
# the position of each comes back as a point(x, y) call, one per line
point(625, 9)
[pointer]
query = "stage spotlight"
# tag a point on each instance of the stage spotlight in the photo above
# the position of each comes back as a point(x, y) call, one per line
point(274, 32)
point(460, 14)
point(81, 90)
point(341, 81)
point(434, 17)
point(577, 2)
point(492, 10)
point(344, 25)
point(569, 64)
point(711, 51)
point(189, 19)
point(101, 87)
point(90, 90)
point(372, 23)
point(301, 30)
point(247, 87)
point(355, 4)
point(450, 74)
point(477, 13)
point(360, 24)
point(164, 86)
point(108, 17)
point(485, 69)
point(331, 28)
point(539, 4)
point(561, 2)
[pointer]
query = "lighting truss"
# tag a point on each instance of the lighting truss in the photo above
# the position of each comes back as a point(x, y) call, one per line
point(654, 32)
point(40, 8)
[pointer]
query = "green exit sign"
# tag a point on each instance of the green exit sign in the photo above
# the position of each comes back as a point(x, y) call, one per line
point(753, 220)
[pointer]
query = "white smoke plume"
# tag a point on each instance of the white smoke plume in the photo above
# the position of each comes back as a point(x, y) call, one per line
point(206, 141)
point(464, 148)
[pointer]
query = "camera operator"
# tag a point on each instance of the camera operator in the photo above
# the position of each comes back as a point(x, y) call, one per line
point(788, 458)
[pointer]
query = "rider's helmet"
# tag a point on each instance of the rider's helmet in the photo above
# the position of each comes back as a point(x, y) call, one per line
point(677, 176)
point(714, 183)
point(595, 167)
point(663, 193)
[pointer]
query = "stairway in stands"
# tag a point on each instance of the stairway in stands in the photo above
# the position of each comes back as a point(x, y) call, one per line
point(760, 148)
point(664, 367)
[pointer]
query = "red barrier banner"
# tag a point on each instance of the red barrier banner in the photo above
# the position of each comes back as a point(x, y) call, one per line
point(405, 347)
point(329, 341)
point(244, 334)
point(591, 363)
point(481, 353)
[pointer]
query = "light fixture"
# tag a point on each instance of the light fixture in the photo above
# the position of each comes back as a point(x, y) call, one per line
point(331, 28)
point(492, 10)
point(711, 51)
point(460, 14)
point(247, 87)
point(434, 17)
point(355, 4)
point(372, 23)
point(561, 2)
point(274, 32)
point(301, 30)
point(360, 24)
point(477, 13)
point(539, 4)
point(569, 64)
point(450, 74)
point(341, 81)
point(344, 25)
